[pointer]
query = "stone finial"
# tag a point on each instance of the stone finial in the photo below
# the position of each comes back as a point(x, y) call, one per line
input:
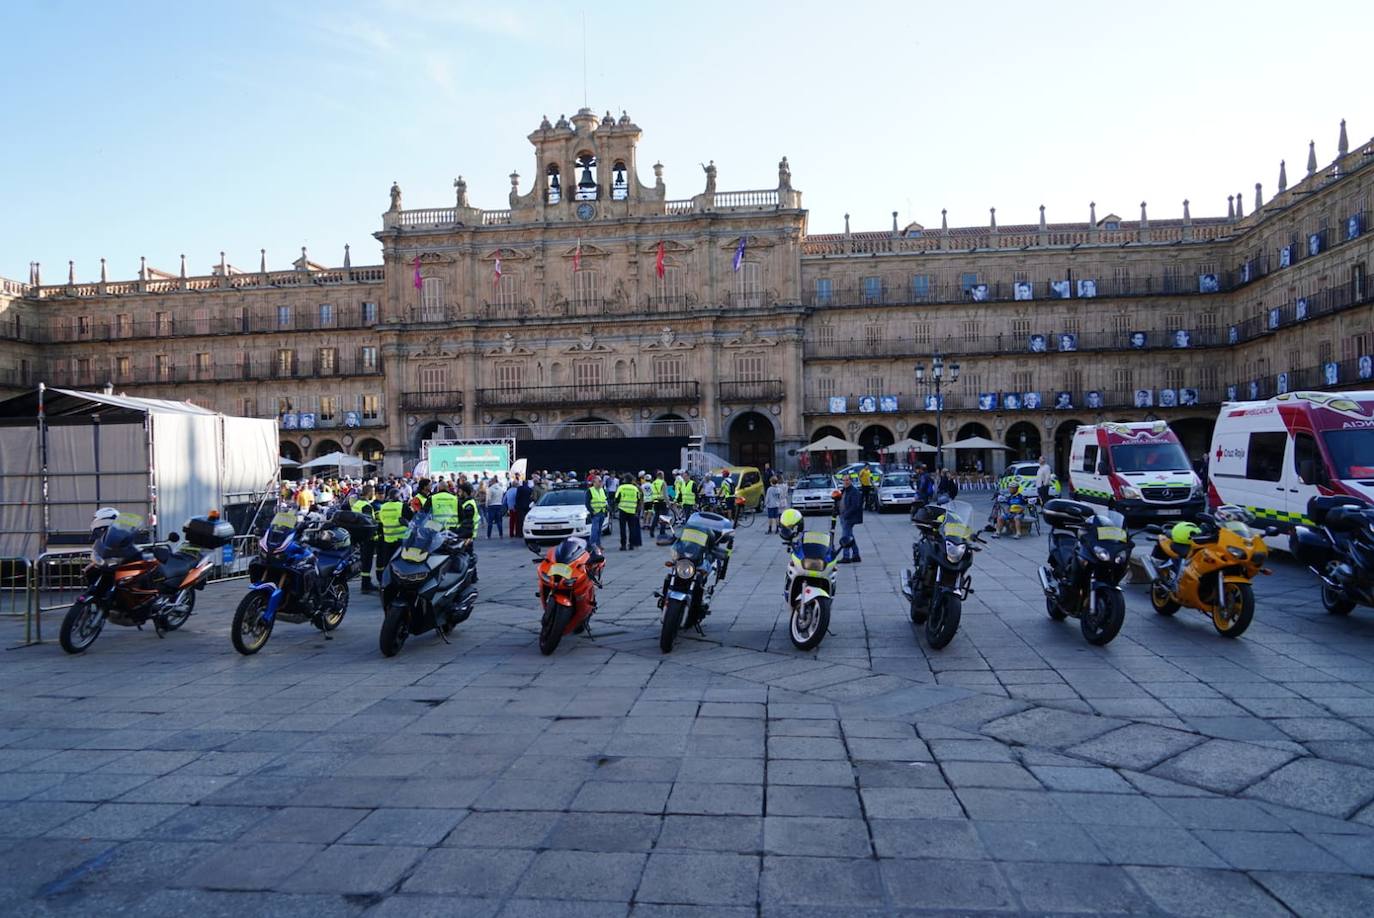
point(223, 265)
point(1283, 176)
point(1342, 144)
point(992, 218)
point(514, 187)
point(846, 224)
point(142, 268)
point(1240, 206)
point(305, 260)
point(1259, 197)
point(460, 192)
point(1187, 217)
point(944, 219)
point(262, 265)
point(348, 261)
point(395, 197)
point(71, 273)
point(1092, 212)
point(103, 277)
point(1311, 157)
point(1144, 219)
point(1230, 207)
point(183, 267)
point(1042, 218)
point(38, 274)
point(894, 223)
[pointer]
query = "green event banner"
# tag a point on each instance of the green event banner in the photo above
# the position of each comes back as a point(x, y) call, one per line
point(487, 457)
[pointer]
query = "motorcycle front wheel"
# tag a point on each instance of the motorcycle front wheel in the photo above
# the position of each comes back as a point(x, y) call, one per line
point(943, 623)
point(81, 626)
point(1103, 620)
point(1235, 614)
point(1335, 602)
point(1161, 601)
point(249, 632)
point(555, 622)
point(672, 620)
point(810, 623)
point(186, 598)
point(337, 597)
point(395, 630)
point(919, 614)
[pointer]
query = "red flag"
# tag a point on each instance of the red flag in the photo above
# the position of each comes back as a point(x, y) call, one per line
point(577, 255)
point(496, 270)
point(419, 281)
point(658, 262)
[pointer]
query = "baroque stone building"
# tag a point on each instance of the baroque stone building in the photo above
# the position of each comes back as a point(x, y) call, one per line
point(595, 306)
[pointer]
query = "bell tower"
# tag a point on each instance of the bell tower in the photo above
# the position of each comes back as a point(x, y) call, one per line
point(585, 170)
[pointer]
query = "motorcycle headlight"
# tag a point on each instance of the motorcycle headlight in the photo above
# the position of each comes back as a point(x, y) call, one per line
point(412, 577)
point(1259, 557)
point(813, 564)
point(1237, 553)
point(954, 551)
point(1130, 492)
point(1102, 553)
point(684, 569)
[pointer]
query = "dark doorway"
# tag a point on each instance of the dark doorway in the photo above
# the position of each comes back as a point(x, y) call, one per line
point(1024, 439)
point(751, 440)
point(873, 438)
point(1063, 445)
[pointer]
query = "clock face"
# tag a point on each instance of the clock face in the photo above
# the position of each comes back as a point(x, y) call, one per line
point(585, 211)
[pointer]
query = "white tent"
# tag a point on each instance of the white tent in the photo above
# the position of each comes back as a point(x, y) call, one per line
point(908, 445)
point(65, 453)
point(830, 444)
point(336, 460)
point(976, 443)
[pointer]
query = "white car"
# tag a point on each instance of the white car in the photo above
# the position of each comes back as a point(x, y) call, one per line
point(814, 493)
point(560, 514)
point(898, 490)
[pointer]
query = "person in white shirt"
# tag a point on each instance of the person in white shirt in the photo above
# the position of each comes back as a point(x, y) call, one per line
point(773, 501)
point(1043, 478)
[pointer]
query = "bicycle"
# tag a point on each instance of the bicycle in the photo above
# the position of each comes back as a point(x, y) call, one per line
point(744, 516)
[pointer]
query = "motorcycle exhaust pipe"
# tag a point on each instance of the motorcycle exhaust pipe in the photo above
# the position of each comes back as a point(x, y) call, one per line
point(1048, 586)
point(906, 583)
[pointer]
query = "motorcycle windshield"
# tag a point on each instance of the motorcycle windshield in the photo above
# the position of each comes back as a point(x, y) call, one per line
point(691, 544)
point(1110, 526)
point(958, 520)
point(424, 537)
point(117, 541)
point(814, 545)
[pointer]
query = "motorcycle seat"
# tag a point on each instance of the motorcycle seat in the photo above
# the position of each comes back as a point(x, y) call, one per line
point(175, 568)
point(1319, 507)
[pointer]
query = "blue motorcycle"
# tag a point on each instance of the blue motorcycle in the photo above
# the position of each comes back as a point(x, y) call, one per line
point(300, 575)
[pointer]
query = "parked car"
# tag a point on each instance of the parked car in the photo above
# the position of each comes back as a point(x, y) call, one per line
point(814, 493)
point(560, 513)
point(898, 489)
point(1023, 475)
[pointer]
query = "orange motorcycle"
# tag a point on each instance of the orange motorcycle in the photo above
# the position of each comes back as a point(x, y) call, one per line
point(569, 574)
point(1209, 566)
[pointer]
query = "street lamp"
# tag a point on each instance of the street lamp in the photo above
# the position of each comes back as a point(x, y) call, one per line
point(934, 384)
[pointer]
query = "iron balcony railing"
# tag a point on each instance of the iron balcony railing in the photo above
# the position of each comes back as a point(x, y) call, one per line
point(751, 390)
point(263, 368)
point(109, 328)
point(631, 394)
point(445, 400)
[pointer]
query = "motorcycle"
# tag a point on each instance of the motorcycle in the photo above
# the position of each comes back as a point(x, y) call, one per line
point(430, 584)
point(300, 575)
point(938, 581)
point(569, 574)
point(699, 559)
point(1090, 553)
point(1212, 573)
point(130, 586)
point(1339, 549)
point(812, 562)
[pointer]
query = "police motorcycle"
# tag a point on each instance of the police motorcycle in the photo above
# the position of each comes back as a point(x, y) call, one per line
point(430, 584)
point(132, 585)
point(1339, 548)
point(812, 562)
point(1090, 553)
point(300, 575)
point(938, 581)
point(698, 562)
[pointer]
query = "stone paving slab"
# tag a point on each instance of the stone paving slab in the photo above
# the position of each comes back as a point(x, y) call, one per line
point(1019, 770)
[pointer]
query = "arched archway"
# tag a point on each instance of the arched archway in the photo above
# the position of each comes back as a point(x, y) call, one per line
point(1196, 436)
point(371, 450)
point(327, 446)
point(873, 438)
point(970, 460)
point(426, 431)
point(1024, 439)
point(513, 427)
point(1063, 446)
point(973, 429)
point(826, 431)
point(923, 433)
point(289, 450)
point(670, 425)
point(751, 440)
point(590, 428)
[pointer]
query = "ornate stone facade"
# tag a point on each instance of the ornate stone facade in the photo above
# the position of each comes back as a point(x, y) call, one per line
point(597, 306)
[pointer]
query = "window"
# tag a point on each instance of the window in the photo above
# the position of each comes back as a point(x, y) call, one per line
point(433, 378)
point(967, 281)
point(1307, 460)
point(509, 289)
point(1173, 377)
point(124, 326)
point(369, 313)
point(245, 365)
point(1090, 460)
point(1207, 326)
point(1173, 279)
point(283, 404)
point(326, 315)
point(372, 407)
point(873, 336)
point(1121, 280)
point(1020, 329)
point(245, 320)
point(1324, 351)
point(432, 299)
point(921, 332)
point(164, 324)
point(824, 291)
point(286, 361)
point(327, 361)
point(825, 335)
point(203, 366)
point(873, 289)
point(123, 368)
point(747, 285)
point(1357, 282)
point(585, 287)
point(920, 287)
point(667, 370)
point(163, 365)
point(749, 367)
point(587, 374)
point(670, 284)
point(248, 407)
point(368, 357)
point(1071, 326)
point(585, 167)
point(283, 317)
point(83, 326)
point(329, 407)
point(200, 322)
point(1208, 375)
point(509, 376)
point(971, 329)
point(83, 369)
point(1264, 456)
point(1023, 381)
point(873, 385)
point(825, 386)
point(1121, 379)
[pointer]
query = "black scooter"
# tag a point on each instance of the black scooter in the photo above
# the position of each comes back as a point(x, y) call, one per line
point(938, 581)
point(1090, 553)
point(428, 586)
point(1340, 550)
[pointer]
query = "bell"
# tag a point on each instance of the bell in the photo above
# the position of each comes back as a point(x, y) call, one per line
point(553, 181)
point(587, 180)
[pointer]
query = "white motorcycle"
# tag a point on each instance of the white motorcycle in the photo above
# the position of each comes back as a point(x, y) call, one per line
point(812, 559)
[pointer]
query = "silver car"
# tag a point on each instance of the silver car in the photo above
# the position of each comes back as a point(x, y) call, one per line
point(898, 490)
point(814, 493)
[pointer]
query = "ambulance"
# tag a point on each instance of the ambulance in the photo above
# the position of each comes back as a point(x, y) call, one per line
point(1137, 469)
point(1272, 457)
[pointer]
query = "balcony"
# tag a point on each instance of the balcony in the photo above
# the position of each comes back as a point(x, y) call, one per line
point(687, 392)
point(445, 400)
point(299, 369)
point(107, 328)
point(752, 390)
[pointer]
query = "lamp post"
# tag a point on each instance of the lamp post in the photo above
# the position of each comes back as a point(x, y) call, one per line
point(934, 384)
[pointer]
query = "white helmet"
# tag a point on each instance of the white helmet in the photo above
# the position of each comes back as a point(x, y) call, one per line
point(104, 518)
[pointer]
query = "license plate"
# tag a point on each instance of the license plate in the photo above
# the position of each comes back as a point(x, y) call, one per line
point(1171, 513)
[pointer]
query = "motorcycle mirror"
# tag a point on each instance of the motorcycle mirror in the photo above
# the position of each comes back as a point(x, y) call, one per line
point(1272, 531)
point(174, 537)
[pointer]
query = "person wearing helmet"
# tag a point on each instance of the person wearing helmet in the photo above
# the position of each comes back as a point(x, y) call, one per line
point(790, 524)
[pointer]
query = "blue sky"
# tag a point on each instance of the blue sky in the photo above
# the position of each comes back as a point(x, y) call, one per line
point(161, 129)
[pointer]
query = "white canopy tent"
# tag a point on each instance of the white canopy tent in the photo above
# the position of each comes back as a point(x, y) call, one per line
point(976, 443)
point(908, 445)
point(830, 444)
point(65, 453)
point(340, 461)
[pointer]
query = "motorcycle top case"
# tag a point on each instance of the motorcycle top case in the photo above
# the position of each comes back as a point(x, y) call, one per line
point(1068, 514)
point(360, 527)
point(330, 539)
point(1310, 546)
point(203, 532)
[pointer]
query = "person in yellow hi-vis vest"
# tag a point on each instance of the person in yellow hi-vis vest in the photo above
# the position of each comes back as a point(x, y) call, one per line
point(659, 492)
point(361, 504)
point(392, 528)
point(443, 507)
point(629, 501)
point(597, 505)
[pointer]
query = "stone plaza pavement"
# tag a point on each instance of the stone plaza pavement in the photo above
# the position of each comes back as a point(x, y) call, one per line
point(1019, 770)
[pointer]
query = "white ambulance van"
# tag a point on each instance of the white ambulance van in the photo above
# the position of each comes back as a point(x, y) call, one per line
point(1272, 457)
point(1138, 469)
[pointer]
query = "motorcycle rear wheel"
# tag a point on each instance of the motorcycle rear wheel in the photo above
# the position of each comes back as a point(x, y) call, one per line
point(1161, 601)
point(943, 623)
point(1235, 616)
point(555, 622)
point(1335, 602)
point(672, 620)
point(394, 631)
point(81, 626)
point(1102, 621)
point(818, 620)
point(176, 620)
point(248, 631)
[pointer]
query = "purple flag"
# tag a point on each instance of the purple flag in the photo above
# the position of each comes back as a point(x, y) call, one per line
point(739, 254)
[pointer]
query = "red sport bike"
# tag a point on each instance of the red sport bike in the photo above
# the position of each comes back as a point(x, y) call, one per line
point(569, 574)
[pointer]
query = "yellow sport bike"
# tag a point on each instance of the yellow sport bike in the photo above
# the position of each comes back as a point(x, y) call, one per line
point(1212, 572)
